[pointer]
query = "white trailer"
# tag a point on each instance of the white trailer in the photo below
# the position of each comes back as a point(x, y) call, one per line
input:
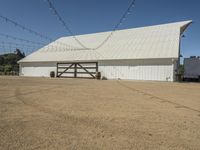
point(192, 68)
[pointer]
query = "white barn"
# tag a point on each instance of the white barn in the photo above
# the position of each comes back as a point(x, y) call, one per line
point(146, 53)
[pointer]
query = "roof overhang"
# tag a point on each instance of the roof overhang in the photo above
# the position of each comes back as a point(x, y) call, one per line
point(185, 26)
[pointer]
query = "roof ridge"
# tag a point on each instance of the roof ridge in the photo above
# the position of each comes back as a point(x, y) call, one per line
point(148, 26)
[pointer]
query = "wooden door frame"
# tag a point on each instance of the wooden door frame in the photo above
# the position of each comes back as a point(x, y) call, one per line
point(76, 66)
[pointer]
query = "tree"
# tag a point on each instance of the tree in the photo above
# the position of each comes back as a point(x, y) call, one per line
point(8, 62)
point(8, 68)
point(1, 60)
point(19, 54)
point(10, 59)
point(181, 69)
point(1, 68)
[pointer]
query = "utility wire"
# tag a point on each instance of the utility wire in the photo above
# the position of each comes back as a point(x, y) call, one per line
point(16, 44)
point(36, 43)
point(7, 20)
point(15, 47)
point(20, 39)
point(25, 28)
point(10, 46)
point(69, 47)
point(124, 16)
point(25, 45)
point(55, 12)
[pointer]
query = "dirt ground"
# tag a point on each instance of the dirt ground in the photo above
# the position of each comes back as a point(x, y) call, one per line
point(42, 113)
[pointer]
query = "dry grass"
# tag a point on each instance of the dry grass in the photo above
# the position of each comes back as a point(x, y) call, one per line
point(40, 113)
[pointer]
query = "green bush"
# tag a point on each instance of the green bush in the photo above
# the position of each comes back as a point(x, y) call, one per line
point(8, 62)
point(1, 68)
point(7, 68)
point(1, 60)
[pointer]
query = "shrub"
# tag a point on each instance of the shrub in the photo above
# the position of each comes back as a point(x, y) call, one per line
point(7, 68)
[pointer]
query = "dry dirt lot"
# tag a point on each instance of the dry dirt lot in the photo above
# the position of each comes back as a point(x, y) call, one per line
point(41, 113)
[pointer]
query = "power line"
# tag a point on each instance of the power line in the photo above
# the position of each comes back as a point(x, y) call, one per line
point(7, 20)
point(25, 28)
point(9, 46)
point(15, 47)
point(47, 47)
point(24, 45)
point(55, 12)
point(20, 39)
point(37, 43)
point(69, 47)
point(16, 44)
point(124, 16)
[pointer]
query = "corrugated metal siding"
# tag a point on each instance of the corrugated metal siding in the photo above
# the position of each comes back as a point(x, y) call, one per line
point(37, 69)
point(159, 70)
point(152, 69)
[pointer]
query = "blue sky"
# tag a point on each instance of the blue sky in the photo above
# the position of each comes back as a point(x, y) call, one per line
point(89, 16)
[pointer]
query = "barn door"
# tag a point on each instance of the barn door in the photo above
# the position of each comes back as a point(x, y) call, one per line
point(77, 70)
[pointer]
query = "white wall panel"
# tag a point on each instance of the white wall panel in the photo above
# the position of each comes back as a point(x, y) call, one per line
point(37, 69)
point(151, 69)
point(159, 70)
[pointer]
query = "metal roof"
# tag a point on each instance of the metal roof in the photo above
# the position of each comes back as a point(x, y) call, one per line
point(159, 41)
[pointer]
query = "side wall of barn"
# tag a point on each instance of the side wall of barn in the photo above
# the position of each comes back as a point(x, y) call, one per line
point(151, 69)
point(37, 69)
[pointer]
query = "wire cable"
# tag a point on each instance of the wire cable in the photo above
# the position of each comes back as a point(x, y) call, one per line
point(55, 12)
point(16, 44)
point(9, 46)
point(20, 39)
point(7, 20)
point(124, 16)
